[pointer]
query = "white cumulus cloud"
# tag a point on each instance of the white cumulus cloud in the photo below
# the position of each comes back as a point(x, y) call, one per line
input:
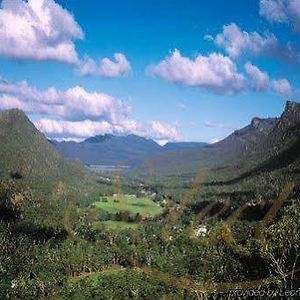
point(81, 129)
point(38, 30)
point(163, 131)
point(106, 67)
point(281, 11)
point(282, 87)
point(85, 128)
point(260, 81)
point(237, 42)
point(73, 103)
point(214, 72)
point(77, 113)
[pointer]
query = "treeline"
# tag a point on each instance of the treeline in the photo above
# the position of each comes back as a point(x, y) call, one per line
point(123, 216)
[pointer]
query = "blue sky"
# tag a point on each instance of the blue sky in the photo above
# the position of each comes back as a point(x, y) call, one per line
point(164, 103)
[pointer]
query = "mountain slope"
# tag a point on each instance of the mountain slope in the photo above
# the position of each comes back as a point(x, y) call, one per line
point(26, 154)
point(183, 146)
point(108, 149)
point(30, 165)
point(23, 149)
point(244, 150)
point(279, 149)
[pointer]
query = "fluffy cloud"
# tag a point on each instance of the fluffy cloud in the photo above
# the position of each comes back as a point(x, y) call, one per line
point(86, 128)
point(215, 72)
point(282, 87)
point(106, 67)
point(76, 113)
point(237, 42)
point(43, 30)
point(73, 103)
point(163, 131)
point(261, 81)
point(281, 11)
point(38, 30)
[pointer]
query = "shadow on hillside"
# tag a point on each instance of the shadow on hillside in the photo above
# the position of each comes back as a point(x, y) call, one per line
point(235, 195)
point(8, 214)
point(38, 233)
point(281, 160)
point(16, 175)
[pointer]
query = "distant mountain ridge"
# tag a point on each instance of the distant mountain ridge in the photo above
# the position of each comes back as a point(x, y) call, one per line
point(110, 149)
point(246, 148)
point(183, 146)
point(264, 144)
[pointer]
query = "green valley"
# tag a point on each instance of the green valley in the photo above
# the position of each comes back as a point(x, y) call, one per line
point(149, 150)
point(134, 205)
point(69, 232)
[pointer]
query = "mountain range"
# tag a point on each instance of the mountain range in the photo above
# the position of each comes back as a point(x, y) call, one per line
point(275, 139)
point(130, 150)
point(265, 144)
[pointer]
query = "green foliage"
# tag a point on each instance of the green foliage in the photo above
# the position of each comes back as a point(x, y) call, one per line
point(118, 284)
point(280, 246)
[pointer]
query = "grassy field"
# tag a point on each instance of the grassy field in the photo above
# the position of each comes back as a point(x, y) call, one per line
point(115, 225)
point(144, 206)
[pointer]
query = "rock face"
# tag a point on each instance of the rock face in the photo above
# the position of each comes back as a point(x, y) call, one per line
point(249, 134)
point(265, 137)
point(290, 115)
point(263, 125)
point(292, 108)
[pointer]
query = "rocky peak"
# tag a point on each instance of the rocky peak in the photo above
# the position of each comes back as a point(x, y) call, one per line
point(256, 122)
point(263, 125)
point(292, 108)
point(290, 115)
